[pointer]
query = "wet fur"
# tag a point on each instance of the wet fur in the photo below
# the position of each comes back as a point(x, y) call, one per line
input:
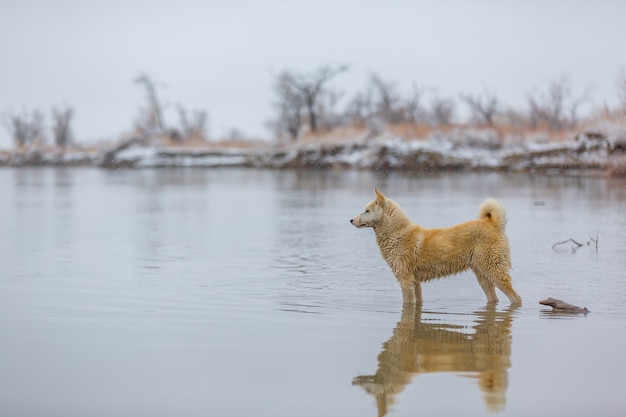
point(417, 254)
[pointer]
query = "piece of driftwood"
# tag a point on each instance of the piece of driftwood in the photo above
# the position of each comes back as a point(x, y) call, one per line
point(563, 306)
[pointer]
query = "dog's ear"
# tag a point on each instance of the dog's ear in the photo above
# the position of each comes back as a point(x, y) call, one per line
point(380, 198)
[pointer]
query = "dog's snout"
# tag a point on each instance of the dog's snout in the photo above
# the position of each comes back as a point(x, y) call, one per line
point(351, 220)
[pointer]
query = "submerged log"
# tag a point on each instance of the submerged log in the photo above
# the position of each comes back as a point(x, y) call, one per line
point(562, 305)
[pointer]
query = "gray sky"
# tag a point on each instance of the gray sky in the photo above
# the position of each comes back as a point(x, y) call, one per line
point(222, 56)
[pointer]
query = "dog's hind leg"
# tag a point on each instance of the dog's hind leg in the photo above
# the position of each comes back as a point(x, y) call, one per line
point(505, 286)
point(502, 280)
point(487, 285)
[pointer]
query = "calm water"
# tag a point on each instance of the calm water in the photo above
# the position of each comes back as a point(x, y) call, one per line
point(242, 292)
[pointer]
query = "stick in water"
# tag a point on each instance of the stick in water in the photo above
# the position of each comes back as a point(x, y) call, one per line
point(562, 305)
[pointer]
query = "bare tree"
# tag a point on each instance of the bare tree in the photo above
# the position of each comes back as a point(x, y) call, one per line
point(414, 110)
point(360, 108)
point(151, 122)
point(26, 129)
point(290, 106)
point(546, 108)
point(442, 111)
point(387, 104)
point(381, 101)
point(19, 127)
point(328, 116)
point(235, 135)
point(483, 106)
point(193, 125)
point(386, 101)
point(309, 87)
point(575, 105)
point(61, 127)
point(551, 107)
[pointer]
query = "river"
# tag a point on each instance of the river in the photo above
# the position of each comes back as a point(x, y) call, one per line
point(233, 292)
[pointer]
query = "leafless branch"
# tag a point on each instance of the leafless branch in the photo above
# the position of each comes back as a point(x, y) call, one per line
point(152, 122)
point(550, 108)
point(442, 111)
point(192, 125)
point(298, 92)
point(483, 106)
point(578, 244)
point(26, 128)
point(61, 128)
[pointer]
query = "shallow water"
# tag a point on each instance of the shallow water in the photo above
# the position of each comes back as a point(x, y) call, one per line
point(243, 292)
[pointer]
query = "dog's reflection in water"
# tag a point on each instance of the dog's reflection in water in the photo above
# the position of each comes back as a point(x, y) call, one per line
point(425, 342)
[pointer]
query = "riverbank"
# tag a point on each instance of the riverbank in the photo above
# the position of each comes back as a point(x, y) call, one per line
point(588, 152)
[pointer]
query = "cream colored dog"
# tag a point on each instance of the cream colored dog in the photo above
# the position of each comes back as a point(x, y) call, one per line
point(416, 254)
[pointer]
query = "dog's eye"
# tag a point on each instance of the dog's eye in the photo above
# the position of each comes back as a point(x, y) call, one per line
point(367, 211)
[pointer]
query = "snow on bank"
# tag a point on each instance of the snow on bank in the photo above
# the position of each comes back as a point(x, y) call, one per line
point(464, 149)
point(473, 150)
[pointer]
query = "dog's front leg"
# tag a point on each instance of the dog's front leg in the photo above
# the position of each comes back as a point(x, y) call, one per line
point(411, 289)
point(408, 293)
point(418, 292)
point(407, 282)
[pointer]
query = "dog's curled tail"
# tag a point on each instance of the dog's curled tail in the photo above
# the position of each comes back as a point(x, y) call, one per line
point(493, 210)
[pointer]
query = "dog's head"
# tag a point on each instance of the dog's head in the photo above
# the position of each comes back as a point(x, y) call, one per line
point(373, 212)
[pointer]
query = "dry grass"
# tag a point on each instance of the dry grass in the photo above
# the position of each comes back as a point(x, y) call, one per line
point(411, 131)
point(337, 135)
point(201, 143)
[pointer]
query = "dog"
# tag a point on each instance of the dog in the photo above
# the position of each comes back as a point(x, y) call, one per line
point(416, 254)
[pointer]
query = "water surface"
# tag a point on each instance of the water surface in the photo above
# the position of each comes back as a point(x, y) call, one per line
point(244, 292)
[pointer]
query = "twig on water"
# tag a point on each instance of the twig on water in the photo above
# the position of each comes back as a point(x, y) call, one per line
point(578, 244)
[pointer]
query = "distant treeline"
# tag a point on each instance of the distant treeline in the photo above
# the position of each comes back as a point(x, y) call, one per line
point(308, 103)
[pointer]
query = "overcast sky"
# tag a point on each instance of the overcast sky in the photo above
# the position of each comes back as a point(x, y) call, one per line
point(222, 56)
